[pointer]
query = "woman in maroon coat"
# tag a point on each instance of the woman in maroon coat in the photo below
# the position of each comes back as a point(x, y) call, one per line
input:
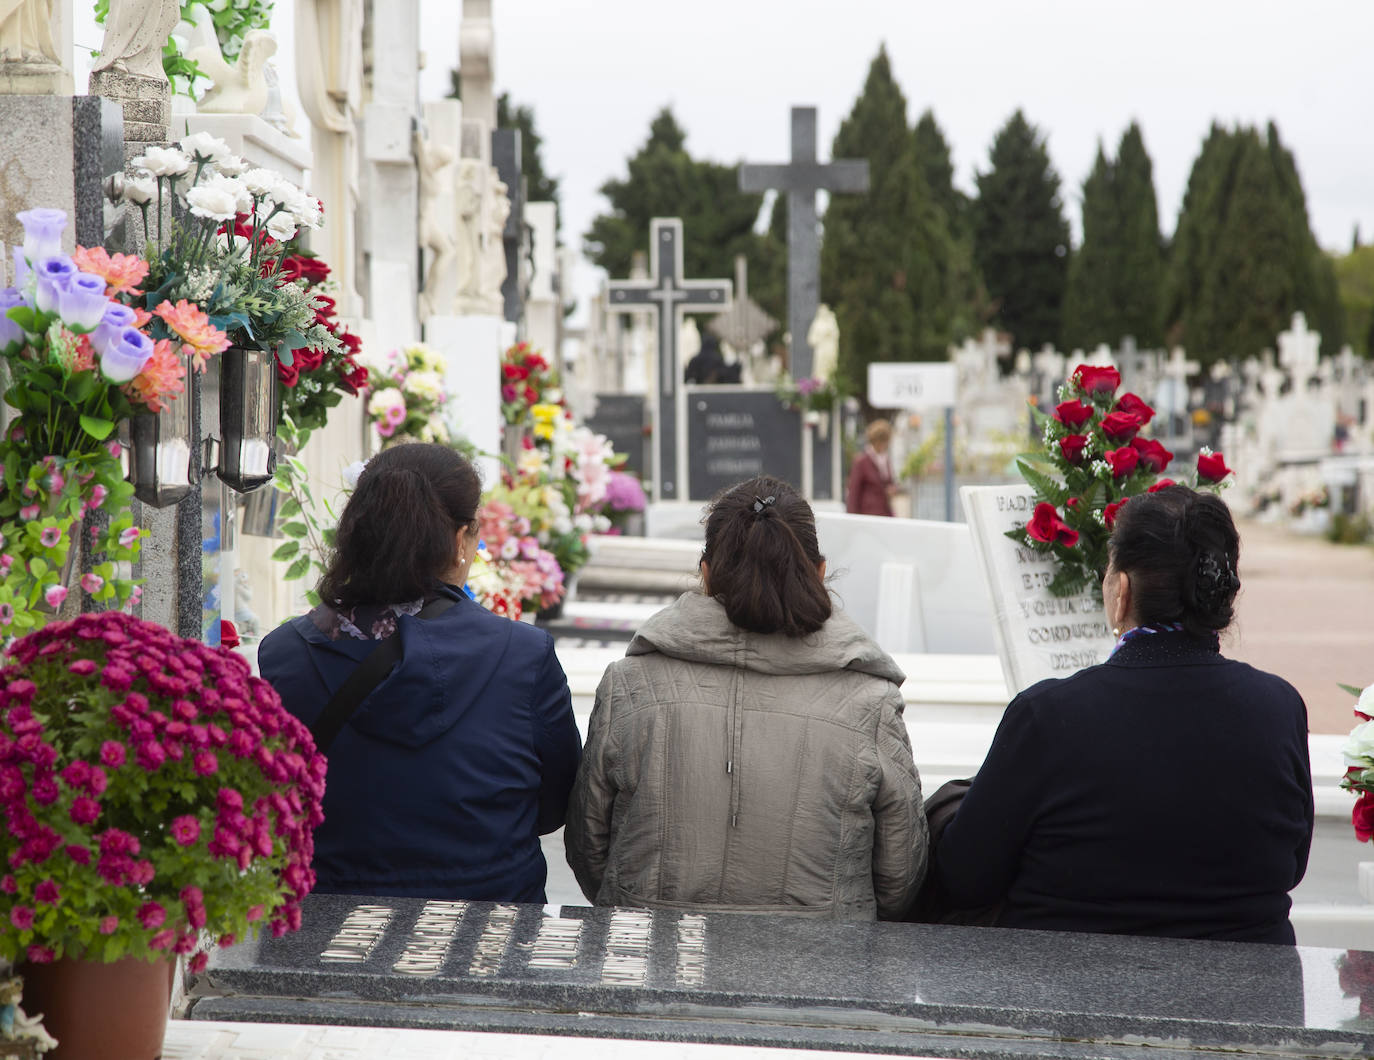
point(870, 478)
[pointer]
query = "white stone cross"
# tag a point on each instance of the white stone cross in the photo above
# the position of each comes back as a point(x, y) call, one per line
point(1299, 350)
point(1179, 367)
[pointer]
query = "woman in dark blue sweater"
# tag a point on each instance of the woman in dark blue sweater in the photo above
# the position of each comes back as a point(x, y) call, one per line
point(1164, 792)
point(446, 775)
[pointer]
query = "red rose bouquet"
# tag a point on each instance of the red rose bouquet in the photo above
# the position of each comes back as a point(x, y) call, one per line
point(318, 378)
point(1095, 459)
point(527, 379)
point(155, 795)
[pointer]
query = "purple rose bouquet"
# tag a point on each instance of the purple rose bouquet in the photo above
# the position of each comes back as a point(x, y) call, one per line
point(157, 797)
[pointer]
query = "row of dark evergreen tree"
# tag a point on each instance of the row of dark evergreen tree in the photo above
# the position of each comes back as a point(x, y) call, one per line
point(914, 265)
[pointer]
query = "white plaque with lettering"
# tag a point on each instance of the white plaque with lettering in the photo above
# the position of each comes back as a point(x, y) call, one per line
point(1038, 635)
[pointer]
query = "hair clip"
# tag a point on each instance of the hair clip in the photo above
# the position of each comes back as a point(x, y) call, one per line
point(760, 503)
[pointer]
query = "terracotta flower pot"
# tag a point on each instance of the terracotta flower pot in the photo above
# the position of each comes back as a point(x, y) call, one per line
point(115, 1011)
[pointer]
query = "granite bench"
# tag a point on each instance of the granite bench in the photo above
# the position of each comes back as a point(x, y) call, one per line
point(790, 982)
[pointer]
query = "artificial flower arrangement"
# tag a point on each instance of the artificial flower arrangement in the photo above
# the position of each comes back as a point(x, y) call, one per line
point(158, 797)
point(560, 482)
point(1094, 460)
point(225, 249)
point(624, 497)
point(516, 572)
point(527, 380)
point(810, 395)
point(1358, 750)
point(317, 379)
point(406, 395)
point(86, 349)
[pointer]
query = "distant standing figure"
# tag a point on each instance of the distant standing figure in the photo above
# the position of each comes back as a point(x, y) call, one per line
point(709, 365)
point(871, 483)
point(748, 754)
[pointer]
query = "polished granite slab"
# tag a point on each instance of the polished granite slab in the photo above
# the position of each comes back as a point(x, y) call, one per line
point(775, 981)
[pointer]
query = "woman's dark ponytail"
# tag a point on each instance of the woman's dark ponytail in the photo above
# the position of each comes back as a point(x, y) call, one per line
point(763, 557)
point(396, 536)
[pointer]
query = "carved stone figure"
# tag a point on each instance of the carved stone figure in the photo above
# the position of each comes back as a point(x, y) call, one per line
point(135, 32)
point(438, 186)
point(468, 230)
point(494, 247)
point(239, 87)
point(26, 32)
point(824, 338)
point(329, 72)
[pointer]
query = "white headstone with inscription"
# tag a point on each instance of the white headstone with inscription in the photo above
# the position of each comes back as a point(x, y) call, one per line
point(1038, 635)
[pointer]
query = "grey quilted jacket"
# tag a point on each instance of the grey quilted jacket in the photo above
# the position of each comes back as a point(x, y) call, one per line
point(752, 773)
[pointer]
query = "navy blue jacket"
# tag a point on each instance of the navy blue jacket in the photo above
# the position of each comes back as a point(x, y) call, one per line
point(443, 780)
point(1164, 792)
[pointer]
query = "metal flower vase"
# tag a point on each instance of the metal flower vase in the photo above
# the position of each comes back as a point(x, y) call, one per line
point(160, 450)
point(248, 409)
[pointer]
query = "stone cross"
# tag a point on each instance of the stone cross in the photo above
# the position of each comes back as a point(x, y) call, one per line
point(1298, 351)
point(801, 178)
point(670, 296)
point(1179, 367)
point(744, 323)
point(1348, 365)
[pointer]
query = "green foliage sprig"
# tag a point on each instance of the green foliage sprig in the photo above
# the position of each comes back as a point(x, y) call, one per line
point(311, 526)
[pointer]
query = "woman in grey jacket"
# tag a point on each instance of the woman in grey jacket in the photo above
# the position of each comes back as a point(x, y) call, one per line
point(749, 753)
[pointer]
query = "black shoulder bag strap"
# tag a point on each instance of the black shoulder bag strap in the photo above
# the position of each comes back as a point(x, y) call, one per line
point(371, 672)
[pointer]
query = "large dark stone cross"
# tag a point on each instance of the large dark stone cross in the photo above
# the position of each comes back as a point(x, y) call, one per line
point(667, 293)
point(801, 179)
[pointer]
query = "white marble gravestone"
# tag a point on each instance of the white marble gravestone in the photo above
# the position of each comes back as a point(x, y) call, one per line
point(1038, 635)
point(914, 585)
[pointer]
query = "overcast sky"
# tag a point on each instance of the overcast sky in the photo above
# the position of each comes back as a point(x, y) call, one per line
point(597, 72)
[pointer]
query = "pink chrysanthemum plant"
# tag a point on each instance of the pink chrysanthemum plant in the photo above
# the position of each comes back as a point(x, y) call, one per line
point(157, 797)
point(1096, 456)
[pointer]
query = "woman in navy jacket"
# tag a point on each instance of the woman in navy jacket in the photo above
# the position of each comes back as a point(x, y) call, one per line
point(447, 774)
point(1164, 792)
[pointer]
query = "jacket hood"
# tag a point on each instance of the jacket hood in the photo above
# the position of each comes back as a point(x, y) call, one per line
point(447, 663)
point(694, 628)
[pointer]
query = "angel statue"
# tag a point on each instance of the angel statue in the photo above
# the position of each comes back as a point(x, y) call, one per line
point(239, 87)
point(824, 338)
point(26, 32)
point(135, 32)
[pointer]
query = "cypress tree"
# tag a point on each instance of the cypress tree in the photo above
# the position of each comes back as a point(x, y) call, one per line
point(664, 180)
point(1090, 303)
point(937, 167)
point(1138, 279)
point(886, 256)
point(1021, 240)
point(1244, 255)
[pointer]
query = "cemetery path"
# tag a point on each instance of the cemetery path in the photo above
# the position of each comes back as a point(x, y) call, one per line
point(1306, 613)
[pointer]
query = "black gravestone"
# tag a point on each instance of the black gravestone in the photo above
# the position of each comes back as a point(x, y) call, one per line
point(505, 156)
point(735, 434)
point(620, 417)
point(791, 981)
